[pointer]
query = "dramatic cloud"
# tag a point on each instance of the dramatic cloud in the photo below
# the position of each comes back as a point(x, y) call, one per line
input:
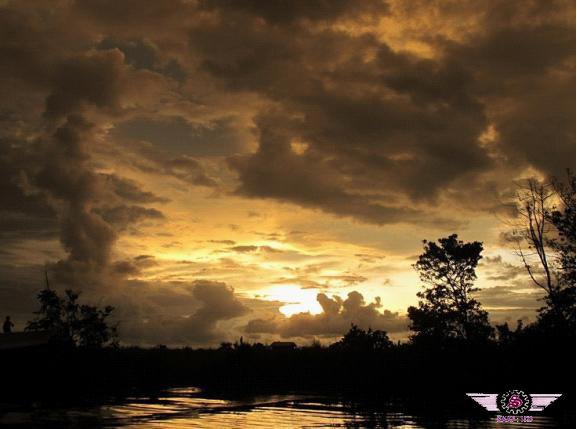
point(66, 177)
point(129, 190)
point(506, 297)
point(335, 320)
point(218, 303)
point(302, 140)
point(215, 303)
point(282, 12)
point(501, 270)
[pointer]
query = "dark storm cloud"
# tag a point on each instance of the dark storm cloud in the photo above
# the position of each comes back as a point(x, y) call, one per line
point(131, 191)
point(499, 297)
point(15, 225)
point(122, 216)
point(134, 265)
point(262, 326)
point(139, 53)
point(287, 12)
point(523, 61)
point(88, 79)
point(218, 303)
point(176, 135)
point(145, 15)
point(497, 269)
point(66, 177)
point(215, 304)
point(57, 167)
point(354, 117)
point(24, 40)
point(75, 82)
point(277, 172)
point(152, 159)
point(383, 132)
point(23, 214)
point(335, 320)
point(372, 117)
point(189, 170)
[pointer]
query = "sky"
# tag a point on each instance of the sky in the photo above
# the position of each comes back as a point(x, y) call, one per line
point(270, 169)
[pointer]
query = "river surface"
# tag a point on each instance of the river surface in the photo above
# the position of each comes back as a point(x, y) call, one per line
point(190, 408)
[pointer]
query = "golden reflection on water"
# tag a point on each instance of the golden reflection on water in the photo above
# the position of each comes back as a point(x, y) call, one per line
point(182, 409)
point(189, 408)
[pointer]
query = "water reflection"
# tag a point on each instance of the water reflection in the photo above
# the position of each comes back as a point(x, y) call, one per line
point(188, 408)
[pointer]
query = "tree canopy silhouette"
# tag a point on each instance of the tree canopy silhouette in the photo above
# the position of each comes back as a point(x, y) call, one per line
point(446, 309)
point(72, 323)
point(359, 340)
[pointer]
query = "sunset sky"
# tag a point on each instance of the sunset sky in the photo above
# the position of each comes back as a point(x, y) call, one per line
point(269, 169)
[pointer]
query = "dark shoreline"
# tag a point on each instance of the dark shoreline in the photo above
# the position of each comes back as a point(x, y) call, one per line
point(429, 380)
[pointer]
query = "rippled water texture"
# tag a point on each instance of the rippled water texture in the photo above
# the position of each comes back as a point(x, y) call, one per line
point(187, 408)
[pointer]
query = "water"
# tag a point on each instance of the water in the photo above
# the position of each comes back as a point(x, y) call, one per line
point(189, 408)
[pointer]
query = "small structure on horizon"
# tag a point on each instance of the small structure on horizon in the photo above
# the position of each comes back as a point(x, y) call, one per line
point(283, 345)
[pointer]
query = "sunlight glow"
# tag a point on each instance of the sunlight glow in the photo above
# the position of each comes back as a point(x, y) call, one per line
point(297, 300)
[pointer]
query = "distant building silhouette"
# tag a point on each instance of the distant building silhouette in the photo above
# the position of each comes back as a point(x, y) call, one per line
point(283, 345)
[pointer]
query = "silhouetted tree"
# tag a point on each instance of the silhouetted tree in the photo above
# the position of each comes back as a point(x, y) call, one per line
point(506, 335)
point(561, 303)
point(72, 323)
point(359, 340)
point(226, 346)
point(546, 244)
point(562, 217)
point(446, 308)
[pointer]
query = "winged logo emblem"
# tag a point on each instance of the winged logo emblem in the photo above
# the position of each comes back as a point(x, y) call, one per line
point(514, 401)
